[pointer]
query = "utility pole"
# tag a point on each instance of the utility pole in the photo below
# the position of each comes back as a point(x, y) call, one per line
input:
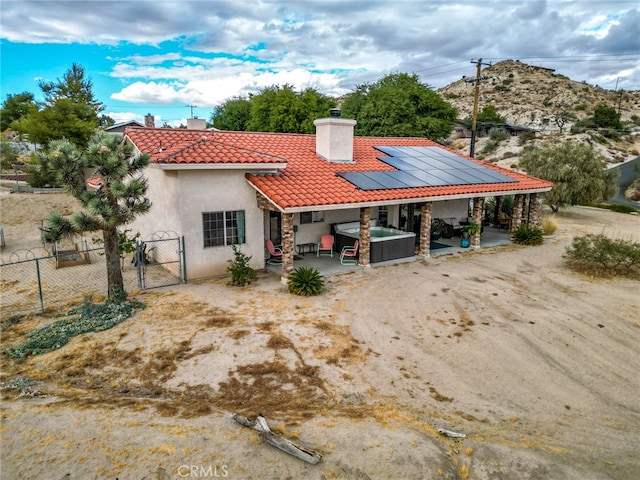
point(191, 107)
point(476, 94)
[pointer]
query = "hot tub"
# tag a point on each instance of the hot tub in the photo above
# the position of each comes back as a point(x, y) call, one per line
point(386, 243)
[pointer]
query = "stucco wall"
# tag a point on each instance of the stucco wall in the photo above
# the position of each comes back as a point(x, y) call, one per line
point(450, 208)
point(164, 214)
point(214, 191)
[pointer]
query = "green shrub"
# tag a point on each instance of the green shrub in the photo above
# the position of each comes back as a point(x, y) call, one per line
point(490, 146)
point(305, 281)
point(603, 256)
point(241, 273)
point(90, 317)
point(618, 207)
point(526, 235)
point(498, 134)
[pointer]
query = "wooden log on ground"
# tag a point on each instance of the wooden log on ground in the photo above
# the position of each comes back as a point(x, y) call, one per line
point(278, 441)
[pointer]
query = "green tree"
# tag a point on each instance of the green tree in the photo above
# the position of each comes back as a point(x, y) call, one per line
point(106, 121)
point(70, 110)
point(282, 109)
point(606, 117)
point(577, 172)
point(120, 198)
point(399, 105)
point(233, 114)
point(488, 116)
point(15, 107)
point(8, 153)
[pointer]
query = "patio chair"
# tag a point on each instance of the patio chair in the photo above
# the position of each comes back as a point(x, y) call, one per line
point(456, 228)
point(504, 221)
point(348, 254)
point(275, 253)
point(325, 245)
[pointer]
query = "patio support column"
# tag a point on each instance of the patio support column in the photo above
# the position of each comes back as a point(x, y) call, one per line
point(518, 206)
point(364, 258)
point(286, 233)
point(534, 210)
point(425, 230)
point(478, 202)
point(498, 209)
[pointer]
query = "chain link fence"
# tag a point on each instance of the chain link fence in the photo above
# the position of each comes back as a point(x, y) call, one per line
point(34, 281)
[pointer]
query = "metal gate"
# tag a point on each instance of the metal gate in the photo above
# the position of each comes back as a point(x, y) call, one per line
point(160, 261)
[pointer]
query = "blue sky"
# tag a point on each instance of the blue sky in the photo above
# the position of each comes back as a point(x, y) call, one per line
point(172, 58)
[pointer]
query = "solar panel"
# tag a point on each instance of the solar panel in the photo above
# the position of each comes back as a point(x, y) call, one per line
point(424, 167)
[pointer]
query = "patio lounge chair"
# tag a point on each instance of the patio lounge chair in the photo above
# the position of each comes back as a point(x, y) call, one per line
point(325, 245)
point(348, 254)
point(275, 253)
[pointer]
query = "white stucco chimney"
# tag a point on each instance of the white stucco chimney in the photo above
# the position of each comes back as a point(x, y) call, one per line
point(334, 137)
point(196, 124)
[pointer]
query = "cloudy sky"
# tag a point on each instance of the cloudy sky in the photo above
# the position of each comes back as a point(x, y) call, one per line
point(172, 58)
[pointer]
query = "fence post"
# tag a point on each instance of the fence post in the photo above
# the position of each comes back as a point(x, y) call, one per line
point(183, 273)
point(39, 285)
point(139, 260)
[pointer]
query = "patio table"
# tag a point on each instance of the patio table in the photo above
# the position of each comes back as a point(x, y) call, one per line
point(306, 248)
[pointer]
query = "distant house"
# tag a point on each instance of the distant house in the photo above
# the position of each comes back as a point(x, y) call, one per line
point(482, 130)
point(219, 188)
point(121, 126)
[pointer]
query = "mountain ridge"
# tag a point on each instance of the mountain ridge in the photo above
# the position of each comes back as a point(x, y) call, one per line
point(537, 97)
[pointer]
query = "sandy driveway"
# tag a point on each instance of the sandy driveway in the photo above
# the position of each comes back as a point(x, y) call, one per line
point(538, 366)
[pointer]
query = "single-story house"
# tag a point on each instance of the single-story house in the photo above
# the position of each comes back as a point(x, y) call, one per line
point(461, 131)
point(219, 188)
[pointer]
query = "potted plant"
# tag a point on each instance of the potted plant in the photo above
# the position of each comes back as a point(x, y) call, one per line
point(438, 228)
point(467, 230)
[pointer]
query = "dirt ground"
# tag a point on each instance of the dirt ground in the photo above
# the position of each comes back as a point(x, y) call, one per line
point(537, 365)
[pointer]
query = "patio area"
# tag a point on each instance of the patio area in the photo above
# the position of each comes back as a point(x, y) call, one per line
point(491, 237)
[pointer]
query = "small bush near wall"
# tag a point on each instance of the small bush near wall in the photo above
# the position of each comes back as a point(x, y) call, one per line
point(526, 235)
point(241, 273)
point(603, 256)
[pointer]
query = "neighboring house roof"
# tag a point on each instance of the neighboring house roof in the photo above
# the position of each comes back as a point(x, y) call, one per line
point(119, 127)
point(304, 180)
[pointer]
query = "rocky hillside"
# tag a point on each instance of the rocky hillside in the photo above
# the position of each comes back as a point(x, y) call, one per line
point(531, 96)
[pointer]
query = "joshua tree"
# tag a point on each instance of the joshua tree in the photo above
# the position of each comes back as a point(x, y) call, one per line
point(118, 200)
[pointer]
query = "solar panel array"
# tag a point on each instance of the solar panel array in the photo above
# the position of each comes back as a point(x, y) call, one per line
point(424, 167)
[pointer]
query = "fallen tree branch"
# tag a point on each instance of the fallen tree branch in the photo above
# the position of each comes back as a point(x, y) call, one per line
point(278, 441)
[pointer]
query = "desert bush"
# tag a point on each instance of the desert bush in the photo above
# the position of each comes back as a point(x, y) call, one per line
point(498, 135)
point(549, 225)
point(241, 273)
point(490, 146)
point(600, 255)
point(305, 281)
point(527, 235)
point(617, 207)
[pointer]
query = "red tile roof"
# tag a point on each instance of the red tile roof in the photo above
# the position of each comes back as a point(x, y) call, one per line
point(308, 180)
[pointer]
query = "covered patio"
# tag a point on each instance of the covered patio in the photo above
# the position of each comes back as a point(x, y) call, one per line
point(326, 265)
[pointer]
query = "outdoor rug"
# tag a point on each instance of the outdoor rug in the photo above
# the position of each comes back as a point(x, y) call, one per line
point(436, 245)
